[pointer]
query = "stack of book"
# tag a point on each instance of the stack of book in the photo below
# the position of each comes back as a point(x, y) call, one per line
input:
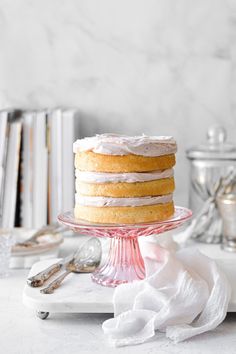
point(36, 166)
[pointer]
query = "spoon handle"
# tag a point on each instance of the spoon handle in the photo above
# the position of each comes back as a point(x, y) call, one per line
point(40, 278)
point(55, 283)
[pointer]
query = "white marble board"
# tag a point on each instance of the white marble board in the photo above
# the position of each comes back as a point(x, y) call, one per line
point(78, 294)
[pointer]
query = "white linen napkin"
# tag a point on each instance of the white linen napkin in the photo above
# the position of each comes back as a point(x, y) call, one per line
point(184, 294)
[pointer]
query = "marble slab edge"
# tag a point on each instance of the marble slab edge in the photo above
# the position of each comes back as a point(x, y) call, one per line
point(78, 294)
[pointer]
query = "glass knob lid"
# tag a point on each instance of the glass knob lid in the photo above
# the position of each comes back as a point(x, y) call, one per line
point(216, 134)
point(216, 148)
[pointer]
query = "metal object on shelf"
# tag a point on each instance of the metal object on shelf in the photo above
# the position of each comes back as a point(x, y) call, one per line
point(227, 208)
point(212, 172)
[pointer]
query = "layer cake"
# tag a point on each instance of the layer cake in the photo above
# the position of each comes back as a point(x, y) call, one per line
point(124, 180)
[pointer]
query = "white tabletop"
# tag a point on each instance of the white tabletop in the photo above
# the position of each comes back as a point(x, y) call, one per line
point(21, 332)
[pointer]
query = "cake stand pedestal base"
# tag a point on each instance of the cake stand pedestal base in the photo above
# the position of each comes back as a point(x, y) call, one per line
point(124, 263)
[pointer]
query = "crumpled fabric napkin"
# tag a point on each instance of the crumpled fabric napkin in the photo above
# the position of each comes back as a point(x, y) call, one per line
point(184, 294)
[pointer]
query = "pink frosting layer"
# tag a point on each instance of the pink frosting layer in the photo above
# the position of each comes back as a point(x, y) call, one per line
point(105, 177)
point(112, 202)
point(113, 144)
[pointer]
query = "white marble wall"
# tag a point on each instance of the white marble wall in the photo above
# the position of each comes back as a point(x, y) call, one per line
point(130, 66)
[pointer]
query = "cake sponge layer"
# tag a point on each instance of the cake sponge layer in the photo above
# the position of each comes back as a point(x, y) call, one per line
point(125, 215)
point(120, 190)
point(90, 161)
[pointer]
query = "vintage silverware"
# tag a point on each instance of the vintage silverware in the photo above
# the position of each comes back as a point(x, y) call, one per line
point(86, 260)
point(204, 223)
point(52, 229)
point(40, 278)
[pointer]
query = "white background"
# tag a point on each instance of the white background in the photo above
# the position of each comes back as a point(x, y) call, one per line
point(130, 66)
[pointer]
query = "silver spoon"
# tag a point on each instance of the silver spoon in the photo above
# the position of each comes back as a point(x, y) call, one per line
point(86, 260)
point(40, 278)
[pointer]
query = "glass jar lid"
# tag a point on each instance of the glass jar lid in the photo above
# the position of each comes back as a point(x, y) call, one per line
point(216, 147)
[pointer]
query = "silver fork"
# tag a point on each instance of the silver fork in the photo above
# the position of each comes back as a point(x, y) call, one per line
point(52, 229)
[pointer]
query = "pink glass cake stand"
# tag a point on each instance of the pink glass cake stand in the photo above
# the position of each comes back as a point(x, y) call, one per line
point(124, 263)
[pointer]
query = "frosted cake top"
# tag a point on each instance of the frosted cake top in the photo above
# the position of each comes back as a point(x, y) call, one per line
point(114, 144)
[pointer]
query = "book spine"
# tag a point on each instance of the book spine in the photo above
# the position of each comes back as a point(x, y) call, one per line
point(40, 171)
point(68, 179)
point(4, 137)
point(12, 170)
point(55, 164)
point(27, 170)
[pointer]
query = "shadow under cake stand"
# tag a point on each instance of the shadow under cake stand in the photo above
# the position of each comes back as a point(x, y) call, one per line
point(124, 262)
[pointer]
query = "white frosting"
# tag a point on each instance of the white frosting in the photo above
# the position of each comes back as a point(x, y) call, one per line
point(112, 202)
point(105, 177)
point(113, 144)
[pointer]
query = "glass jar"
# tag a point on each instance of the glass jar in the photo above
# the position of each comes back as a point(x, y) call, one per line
point(209, 165)
point(6, 242)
